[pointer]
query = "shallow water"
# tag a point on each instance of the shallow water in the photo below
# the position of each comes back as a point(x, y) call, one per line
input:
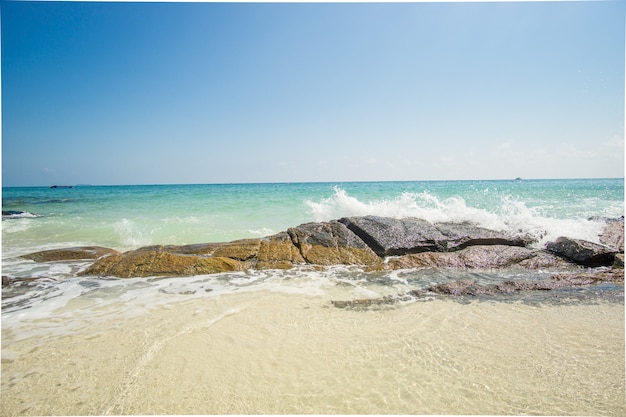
point(270, 352)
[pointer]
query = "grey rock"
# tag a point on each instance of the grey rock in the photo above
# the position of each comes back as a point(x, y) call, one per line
point(392, 237)
point(582, 252)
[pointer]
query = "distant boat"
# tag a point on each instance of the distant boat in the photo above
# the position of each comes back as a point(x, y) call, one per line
point(62, 186)
point(518, 179)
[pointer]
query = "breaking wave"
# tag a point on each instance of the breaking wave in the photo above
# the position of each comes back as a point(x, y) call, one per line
point(505, 214)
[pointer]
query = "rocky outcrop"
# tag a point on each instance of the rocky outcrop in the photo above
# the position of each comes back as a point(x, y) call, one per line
point(273, 252)
point(146, 263)
point(331, 243)
point(479, 257)
point(376, 243)
point(69, 254)
point(278, 252)
point(388, 236)
point(582, 252)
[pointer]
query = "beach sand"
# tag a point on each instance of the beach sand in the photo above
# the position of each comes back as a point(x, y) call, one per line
point(275, 353)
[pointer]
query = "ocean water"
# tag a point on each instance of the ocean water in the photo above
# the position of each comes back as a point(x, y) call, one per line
point(271, 342)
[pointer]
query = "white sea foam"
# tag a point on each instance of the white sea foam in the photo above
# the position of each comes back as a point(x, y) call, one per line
point(509, 214)
point(130, 234)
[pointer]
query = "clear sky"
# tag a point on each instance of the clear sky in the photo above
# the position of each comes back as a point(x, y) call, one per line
point(145, 93)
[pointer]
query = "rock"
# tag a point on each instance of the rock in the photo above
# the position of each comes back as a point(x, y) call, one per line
point(455, 288)
point(582, 252)
point(469, 287)
point(241, 250)
point(68, 254)
point(483, 257)
point(619, 261)
point(5, 280)
point(360, 241)
point(145, 263)
point(203, 249)
point(588, 277)
point(462, 235)
point(331, 243)
point(278, 252)
point(389, 237)
point(613, 235)
point(13, 212)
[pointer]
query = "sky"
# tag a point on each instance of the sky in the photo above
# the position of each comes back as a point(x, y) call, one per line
point(173, 93)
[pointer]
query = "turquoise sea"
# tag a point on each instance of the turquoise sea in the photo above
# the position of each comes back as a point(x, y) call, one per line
point(270, 342)
point(126, 217)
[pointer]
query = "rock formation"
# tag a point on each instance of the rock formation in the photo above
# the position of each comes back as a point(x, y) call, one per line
point(376, 243)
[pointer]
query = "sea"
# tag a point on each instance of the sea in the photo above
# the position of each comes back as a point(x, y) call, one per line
point(272, 341)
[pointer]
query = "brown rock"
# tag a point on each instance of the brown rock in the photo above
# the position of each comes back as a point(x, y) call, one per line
point(145, 263)
point(278, 252)
point(241, 250)
point(203, 249)
point(68, 254)
point(331, 243)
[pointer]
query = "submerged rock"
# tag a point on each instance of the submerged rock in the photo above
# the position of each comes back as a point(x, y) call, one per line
point(470, 288)
point(68, 254)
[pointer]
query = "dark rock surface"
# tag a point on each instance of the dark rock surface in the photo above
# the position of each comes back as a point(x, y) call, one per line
point(582, 252)
point(388, 236)
point(479, 257)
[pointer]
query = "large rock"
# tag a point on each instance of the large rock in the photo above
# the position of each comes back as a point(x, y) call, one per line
point(70, 254)
point(479, 257)
point(582, 252)
point(462, 235)
point(147, 263)
point(278, 252)
point(331, 243)
point(388, 236)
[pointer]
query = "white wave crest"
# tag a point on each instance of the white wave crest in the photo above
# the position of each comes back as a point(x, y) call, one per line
point(510, 215)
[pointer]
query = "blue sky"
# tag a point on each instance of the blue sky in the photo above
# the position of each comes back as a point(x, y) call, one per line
point(143, 93)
